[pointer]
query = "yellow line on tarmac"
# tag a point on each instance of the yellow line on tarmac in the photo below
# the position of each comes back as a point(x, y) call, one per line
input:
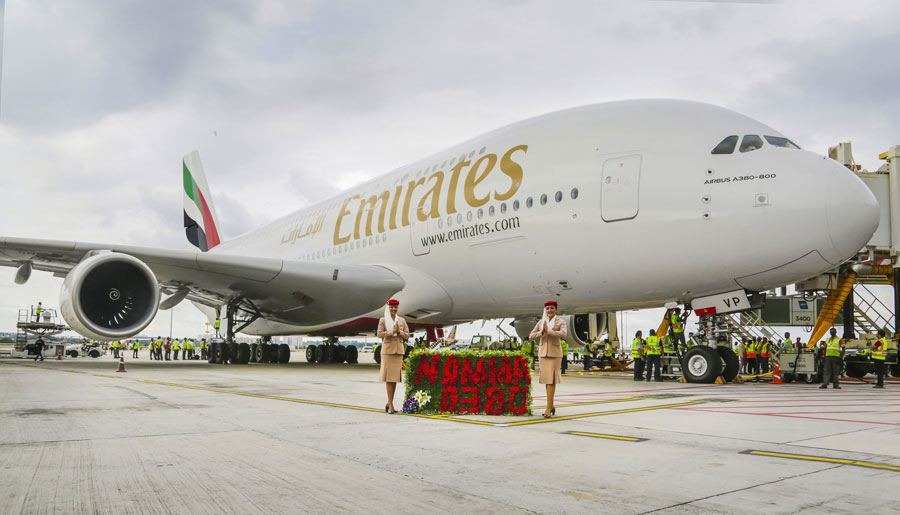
point(601, 413)
point(610, 437)
point(866, 464)
point(288, 399)
point(102, 375)
point(586, 403)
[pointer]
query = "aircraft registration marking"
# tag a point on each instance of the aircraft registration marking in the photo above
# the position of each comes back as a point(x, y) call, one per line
point(825, 459)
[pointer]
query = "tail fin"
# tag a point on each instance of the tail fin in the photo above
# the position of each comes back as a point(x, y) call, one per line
point(200, 222)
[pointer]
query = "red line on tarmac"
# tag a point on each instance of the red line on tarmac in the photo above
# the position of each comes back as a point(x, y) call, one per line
point(790, 416)
point(657, 390)
point(802, 406)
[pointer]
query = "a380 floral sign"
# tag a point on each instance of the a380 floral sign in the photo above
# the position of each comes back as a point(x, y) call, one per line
point(460, 382)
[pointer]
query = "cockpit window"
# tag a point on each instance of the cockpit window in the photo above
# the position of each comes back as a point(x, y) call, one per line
point(726, 146)
point(777, 141)
point(751, 142)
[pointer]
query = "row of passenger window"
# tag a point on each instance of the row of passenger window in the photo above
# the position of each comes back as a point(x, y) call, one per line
point(750, 143)
point(491, 211)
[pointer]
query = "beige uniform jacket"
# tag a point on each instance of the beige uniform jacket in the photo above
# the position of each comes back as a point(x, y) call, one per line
point(393, 344)
point(550, 345)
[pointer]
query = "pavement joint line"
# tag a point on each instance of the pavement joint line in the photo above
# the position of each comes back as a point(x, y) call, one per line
point(608, 437)
point(823, 459)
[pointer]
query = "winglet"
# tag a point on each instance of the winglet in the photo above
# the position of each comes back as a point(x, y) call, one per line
point(200, 221)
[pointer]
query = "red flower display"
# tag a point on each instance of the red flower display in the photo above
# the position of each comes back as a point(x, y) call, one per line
point(472, 401)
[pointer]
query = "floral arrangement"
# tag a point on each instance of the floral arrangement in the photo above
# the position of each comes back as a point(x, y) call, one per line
point(411, 405)
point(473, 382)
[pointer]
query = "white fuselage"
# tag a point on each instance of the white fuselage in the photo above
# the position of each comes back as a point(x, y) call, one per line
point(638, 213)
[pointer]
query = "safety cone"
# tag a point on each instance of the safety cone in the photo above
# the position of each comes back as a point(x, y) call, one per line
point(121, 364)
point(776, 376)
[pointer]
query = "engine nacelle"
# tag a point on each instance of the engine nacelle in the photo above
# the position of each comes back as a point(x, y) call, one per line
point(109, 296)
point(579, 326)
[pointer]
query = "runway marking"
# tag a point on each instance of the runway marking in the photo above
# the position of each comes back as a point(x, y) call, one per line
point(707, 410)
point(609, 437)
point(111, 377)
point(599, 414)
point(866, 464)
point(587, 403)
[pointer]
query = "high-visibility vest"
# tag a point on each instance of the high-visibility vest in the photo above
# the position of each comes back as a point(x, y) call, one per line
point(607, 350)
point(636, 348)
point(202, 344)
point(833, 347)
point(668, 343)
point(38, 310)
point(176, 345)
point(159, 343)
point(565, 347)
point(764, 349)
point(653, 348)
point(136, 345)
point(675, 322)
point(881, 353)
point(751, 350)
point(217, 323)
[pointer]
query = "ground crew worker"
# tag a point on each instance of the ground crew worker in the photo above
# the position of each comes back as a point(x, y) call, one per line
point(186, 345)
point(879, 355)
point(676, 330)
point(669, 343)
point(203, 354)
point(168, 347)
point(39, 349)
point(37, 312)
point(764, 356)
point(798, 344)
point(788, 343)
point(653, 352)
point(834, 360)
point(565, 356)
point(176, 346)
point(115, 348)
point(751, 358)
point(218, 323)
point(745, 365)
point(637, 354)
point(135, 346)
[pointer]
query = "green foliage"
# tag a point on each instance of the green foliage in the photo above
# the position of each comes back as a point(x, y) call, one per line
point(474, 385)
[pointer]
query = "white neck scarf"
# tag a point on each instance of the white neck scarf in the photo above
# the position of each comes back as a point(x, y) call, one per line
point(388, 321)
point(549, 321)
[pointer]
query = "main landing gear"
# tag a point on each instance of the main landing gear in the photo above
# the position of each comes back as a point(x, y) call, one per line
point(331, 352)
point(240, 313)
point(712, 355)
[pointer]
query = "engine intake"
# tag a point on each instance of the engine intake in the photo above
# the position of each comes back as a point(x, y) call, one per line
point(579, 327)
point(109, 296)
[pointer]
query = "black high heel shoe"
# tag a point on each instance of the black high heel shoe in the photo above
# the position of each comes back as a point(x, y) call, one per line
point(553, 412)
point(386, 408)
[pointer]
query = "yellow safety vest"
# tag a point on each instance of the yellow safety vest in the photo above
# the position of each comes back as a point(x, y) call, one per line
point(176, 345)
point(881, 353)
point(653, 346)
point(675, 322)
point(636, 348)
point(833, 347)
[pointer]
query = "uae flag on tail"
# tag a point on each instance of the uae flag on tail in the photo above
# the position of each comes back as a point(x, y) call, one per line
point(200, 221)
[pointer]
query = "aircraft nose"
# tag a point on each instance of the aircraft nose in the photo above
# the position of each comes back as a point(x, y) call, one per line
point(852, 213)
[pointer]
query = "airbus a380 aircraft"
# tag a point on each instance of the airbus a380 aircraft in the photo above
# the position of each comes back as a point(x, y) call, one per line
point(623, 205)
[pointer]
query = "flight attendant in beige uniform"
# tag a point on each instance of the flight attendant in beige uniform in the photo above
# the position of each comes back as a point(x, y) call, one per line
point(550, 329)
point(392, 330)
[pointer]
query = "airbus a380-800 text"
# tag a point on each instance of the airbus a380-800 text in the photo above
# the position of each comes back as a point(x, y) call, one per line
point(622, 205)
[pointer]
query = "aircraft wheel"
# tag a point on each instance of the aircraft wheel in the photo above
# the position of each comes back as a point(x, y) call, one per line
point(732, 363)
point(320, 353)
point(340, 353)
point(224, 353)
point(212, 350)
point(378, 355)
point(352, 354)
point(856, 369)
point(284, 353)
point(254, 352)
point(311, 353)
point(328, 354)
point(243, 353)
point(701, 364)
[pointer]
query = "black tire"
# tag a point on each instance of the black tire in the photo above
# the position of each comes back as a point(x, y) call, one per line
point(284, 353)
point(895, 369)
point(702, 365)
point(213, 350)
point(320, 354)
point(378, 355)
point(254, 352)
point(328, 354)
point(224, 353)
point(265, 353)
point(812, 378)
point(352, 354)
point(257, 353)
point(73, 353)
point(94, 353)
point(732, 363)
point(311, 354)
point(243, 353)
point(857, 369)
point(787, 378)
point(340, 353)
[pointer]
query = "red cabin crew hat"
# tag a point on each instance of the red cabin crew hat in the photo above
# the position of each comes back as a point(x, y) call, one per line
point(393, 302)
point(551, 303)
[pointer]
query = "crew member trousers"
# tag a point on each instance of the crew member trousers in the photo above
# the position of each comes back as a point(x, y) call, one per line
point(653, 362)
point(638, 369)
point(832, 375)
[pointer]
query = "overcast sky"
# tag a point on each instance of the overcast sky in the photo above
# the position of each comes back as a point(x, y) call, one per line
point(289, 102)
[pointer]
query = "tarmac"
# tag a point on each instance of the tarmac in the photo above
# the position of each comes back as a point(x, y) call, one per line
point(190, 437)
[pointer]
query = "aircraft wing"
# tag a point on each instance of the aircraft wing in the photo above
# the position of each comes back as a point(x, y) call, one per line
point(295, 292)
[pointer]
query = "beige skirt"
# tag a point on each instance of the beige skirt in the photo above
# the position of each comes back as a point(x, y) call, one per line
point(391, 368)
point(550, 370)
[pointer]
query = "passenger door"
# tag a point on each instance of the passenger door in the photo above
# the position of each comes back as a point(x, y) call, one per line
point(620, 187)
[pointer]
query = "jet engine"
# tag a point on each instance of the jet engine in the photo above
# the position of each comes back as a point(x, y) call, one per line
point(580, 330)
point(109, 296)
